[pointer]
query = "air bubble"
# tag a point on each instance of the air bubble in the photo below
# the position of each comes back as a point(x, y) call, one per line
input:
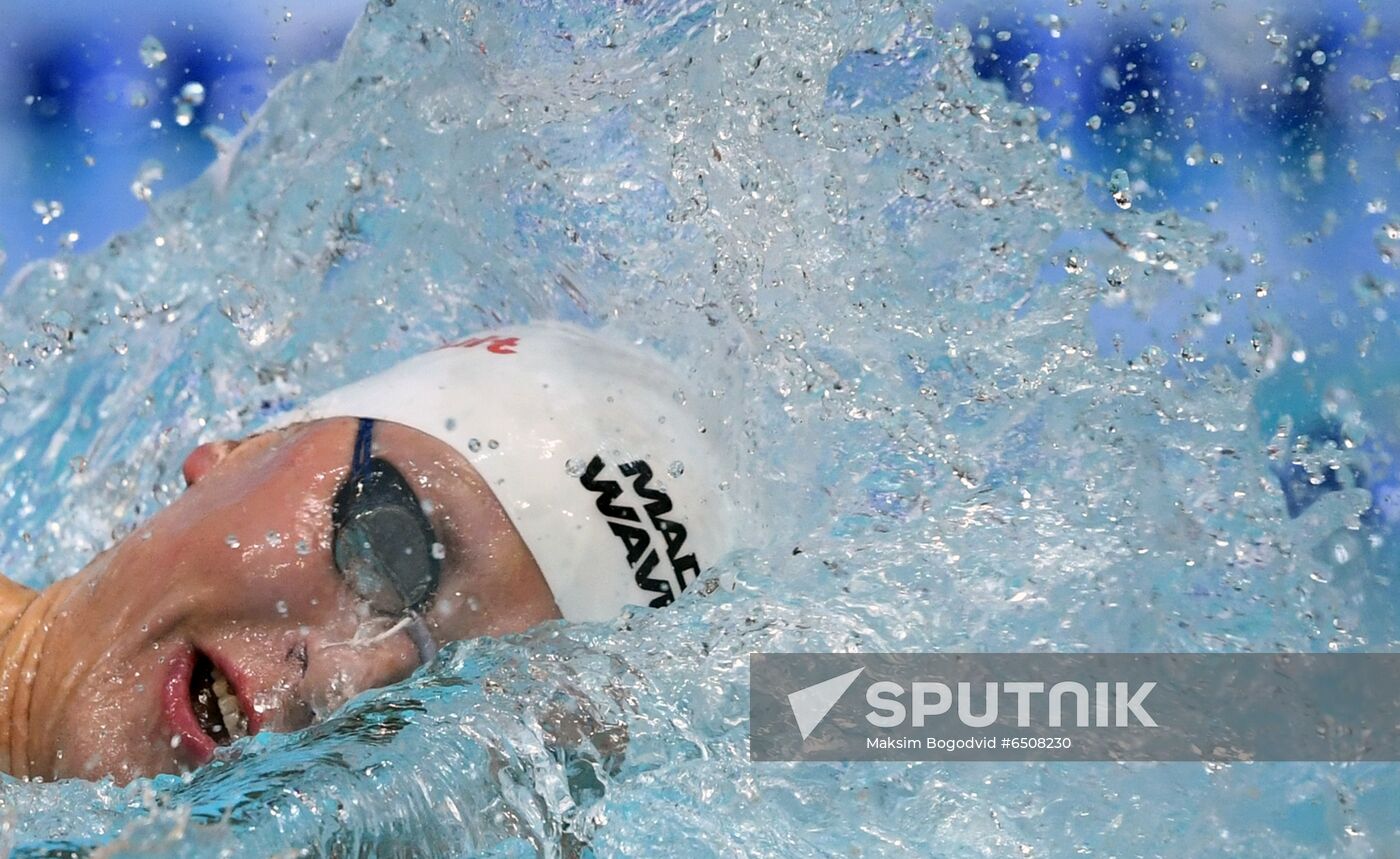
point(493, 444)
point(1319, 58)
point(152, 52)
point(232, 541)
point(439, 551)
point(473, 445)
point(574, 467)
point(282, 608)
point(676, 468)
point(303, 547)
point(274, 539)
point(1196, 61)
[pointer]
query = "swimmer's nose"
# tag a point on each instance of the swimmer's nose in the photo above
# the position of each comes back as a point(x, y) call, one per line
point(203, 459)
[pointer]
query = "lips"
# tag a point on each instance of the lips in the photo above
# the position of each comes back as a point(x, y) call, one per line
point(206, 703)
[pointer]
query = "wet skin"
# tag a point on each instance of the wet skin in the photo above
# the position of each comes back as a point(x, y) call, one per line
point(99, 672)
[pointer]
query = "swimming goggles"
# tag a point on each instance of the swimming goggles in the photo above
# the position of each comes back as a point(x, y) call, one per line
point(383, 544)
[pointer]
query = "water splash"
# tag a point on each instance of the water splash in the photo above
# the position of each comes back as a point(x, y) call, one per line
point(849, 238)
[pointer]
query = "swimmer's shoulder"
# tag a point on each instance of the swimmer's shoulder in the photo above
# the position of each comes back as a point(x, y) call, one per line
point(14, 599)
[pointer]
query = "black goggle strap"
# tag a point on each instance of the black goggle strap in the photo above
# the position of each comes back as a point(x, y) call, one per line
point(417, 628)
point(364, 444)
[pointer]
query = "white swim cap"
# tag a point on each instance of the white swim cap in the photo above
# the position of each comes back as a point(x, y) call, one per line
point(610, 480)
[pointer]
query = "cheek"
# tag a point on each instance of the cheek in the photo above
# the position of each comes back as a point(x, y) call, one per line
point(112, 724)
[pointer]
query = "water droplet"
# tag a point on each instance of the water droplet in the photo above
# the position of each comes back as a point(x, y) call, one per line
point(232, 541)
point(49, 211)
point(78, 464)
point(427, 506)
point(676, 468)
point(1129, 106)
point(1196, 61)
point(439, 551)
point(493, 444)
point(574, 467)
point(274, 539)
point(282, 608)
point(286, 14)
point(450, 424)
point(303, 547)
point(1120, 186)
point(1094, 122)
point(192, 93)
point(473, 445)
point(1261, 289)
point(1073, 264)
point(1299, 356)
point(152, 52)
point(151, 172)
point(1319, 58)
point(1178, 25)
point(184, 114)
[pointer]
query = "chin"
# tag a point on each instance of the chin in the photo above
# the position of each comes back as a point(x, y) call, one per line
point(95, 755)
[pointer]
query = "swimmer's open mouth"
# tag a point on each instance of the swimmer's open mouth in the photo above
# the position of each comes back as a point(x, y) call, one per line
point(215, 702)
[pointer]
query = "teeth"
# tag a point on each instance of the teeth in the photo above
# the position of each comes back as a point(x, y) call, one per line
point(234, 721)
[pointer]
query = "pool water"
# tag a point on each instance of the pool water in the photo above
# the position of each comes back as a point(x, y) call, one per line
point(875, 265)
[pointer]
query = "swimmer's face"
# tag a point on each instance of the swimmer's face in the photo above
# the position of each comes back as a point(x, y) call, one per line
point(230, 600)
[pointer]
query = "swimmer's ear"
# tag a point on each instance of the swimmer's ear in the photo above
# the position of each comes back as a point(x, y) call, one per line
point(204, 458)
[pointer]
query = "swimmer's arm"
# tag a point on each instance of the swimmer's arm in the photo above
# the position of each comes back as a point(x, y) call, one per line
point(16, 653)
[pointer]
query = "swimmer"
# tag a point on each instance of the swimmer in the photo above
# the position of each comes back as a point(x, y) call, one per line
point(507, 480)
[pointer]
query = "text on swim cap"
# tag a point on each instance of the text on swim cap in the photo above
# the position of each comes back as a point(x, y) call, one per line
point(627, 525)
